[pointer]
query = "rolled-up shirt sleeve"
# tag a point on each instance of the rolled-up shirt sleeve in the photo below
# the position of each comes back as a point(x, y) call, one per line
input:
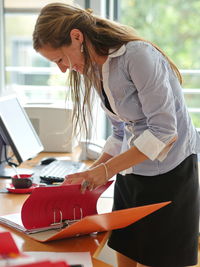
point(149, 72)
point(114, 142)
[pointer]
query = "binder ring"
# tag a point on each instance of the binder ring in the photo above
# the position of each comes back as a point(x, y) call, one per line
point(54, 218)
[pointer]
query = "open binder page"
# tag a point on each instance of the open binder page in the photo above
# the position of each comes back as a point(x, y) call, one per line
point(62, 212)
point(14, 221)
point(54, 208)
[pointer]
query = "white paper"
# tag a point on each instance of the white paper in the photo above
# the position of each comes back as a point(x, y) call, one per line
point(83, 258)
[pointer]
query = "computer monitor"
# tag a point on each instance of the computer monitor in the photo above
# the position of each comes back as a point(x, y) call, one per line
point(17, 133)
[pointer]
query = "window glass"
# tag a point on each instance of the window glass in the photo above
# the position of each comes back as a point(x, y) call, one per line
point(31, 76)
point(174, 26)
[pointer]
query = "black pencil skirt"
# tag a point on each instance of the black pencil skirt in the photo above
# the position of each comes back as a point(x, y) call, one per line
point(169, 236)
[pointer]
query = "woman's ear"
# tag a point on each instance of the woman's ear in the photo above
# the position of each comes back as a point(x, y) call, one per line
point(76, 35)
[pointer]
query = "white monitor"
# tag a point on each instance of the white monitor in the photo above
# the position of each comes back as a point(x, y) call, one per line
point(17, 132)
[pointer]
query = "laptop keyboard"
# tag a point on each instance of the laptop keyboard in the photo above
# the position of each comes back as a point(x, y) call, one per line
point(58, 169)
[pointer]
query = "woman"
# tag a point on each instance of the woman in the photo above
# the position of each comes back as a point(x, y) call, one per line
point(154, 145)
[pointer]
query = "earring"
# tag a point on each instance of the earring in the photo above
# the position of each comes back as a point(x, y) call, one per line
point(81, 48)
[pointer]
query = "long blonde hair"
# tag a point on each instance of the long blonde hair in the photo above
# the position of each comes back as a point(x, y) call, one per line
point(53, 27)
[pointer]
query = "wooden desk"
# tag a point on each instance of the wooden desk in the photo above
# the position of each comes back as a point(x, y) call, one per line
point(12, 203)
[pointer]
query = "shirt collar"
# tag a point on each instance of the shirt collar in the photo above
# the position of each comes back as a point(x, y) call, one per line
point(117, 53)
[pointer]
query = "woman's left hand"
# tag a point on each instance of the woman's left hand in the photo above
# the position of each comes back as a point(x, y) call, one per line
point(89, 179)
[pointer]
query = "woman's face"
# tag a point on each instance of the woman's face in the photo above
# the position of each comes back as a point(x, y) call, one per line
point(70, 56)
point(66, 57)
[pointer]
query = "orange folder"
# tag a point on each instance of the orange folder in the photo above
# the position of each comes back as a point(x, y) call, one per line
point(59, 212)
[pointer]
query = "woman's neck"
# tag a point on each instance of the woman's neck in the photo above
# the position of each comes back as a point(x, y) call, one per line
point(100, 60)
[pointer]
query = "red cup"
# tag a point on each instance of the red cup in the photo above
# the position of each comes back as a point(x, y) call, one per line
point(25, 181)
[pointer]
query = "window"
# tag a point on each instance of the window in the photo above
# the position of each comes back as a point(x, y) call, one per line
point(174, 26)
point(33, 78)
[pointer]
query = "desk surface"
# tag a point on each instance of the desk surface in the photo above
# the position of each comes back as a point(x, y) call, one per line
point(12, 203)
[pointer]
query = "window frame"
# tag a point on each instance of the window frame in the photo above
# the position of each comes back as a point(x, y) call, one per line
point(2, 48)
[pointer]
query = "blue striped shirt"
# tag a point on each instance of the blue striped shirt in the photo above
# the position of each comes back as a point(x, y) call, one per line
point(149, 109)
